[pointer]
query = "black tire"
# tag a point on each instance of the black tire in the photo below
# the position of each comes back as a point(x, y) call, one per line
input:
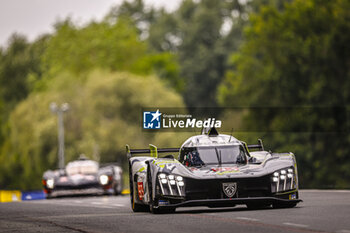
point(152, 209)
point(117, 190)
point(48, 194)
point(283, 205)
point(137, 207)
point(149, 187)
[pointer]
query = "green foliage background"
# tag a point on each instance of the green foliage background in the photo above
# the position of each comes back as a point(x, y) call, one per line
point(269, 53)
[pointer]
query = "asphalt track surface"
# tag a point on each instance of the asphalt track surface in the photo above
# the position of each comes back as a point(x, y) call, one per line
point(321, 211)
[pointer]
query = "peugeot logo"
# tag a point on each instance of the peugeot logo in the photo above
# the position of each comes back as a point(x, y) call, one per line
point(230, 189)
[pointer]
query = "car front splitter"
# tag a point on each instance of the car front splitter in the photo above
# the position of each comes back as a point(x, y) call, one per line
point(231, 202)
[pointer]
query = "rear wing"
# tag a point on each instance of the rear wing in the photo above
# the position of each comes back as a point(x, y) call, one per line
point(153, 151)
point(259, 146)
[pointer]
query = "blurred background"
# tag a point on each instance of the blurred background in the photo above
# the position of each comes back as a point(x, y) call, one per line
point(110, 59)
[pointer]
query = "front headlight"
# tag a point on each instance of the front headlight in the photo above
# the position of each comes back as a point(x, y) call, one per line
point(50, 183)
point(103, 179)
point(283, 180)
point(172, 185)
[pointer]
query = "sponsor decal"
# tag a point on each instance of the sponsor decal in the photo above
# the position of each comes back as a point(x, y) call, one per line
point(193, 169)
point(63, 179)
point(140, 190)
point(163, 202)
point(229, 189)
point(292, 196)
point(170, 166)
point(224, 169)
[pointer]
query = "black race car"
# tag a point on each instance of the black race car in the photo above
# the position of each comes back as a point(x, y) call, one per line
point(213, 170)
point(83, 176)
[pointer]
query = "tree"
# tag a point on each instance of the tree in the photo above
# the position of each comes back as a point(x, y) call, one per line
point(112, 46)
point(20, 68)
point(202, 34)
point(298, 57)
point(105, 115)
point(19, 60)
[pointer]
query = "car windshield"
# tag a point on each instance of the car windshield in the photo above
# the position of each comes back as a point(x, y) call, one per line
point(82, 167)
point(215, 156)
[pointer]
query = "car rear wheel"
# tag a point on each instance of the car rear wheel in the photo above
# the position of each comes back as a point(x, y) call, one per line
point(117, 189)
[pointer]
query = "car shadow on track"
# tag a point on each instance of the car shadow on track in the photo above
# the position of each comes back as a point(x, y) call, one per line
point(84, 196)
point(221, 210)
point(215, 210)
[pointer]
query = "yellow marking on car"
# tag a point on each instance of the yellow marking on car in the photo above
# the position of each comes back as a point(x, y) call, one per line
point(142, 169)
point(164, 162)
point(226, 172)
point(292, 191)
point(153, 150)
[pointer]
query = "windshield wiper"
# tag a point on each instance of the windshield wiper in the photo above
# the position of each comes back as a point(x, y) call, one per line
point(218, 155)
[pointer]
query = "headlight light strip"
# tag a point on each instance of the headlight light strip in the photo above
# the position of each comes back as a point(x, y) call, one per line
point(282, 176)
point(170, 180)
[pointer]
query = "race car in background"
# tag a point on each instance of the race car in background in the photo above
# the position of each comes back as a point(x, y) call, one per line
point(213, 170)
point(83, 176)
